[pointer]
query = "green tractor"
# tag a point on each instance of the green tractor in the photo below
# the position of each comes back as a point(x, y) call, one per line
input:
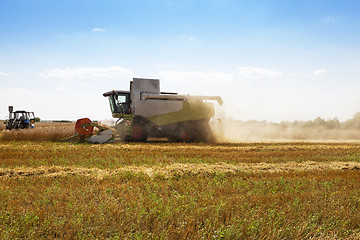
point(145, 112)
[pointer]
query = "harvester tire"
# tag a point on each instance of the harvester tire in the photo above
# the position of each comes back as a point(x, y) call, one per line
point(184, 134)
point(139, 133)
point(205, 134)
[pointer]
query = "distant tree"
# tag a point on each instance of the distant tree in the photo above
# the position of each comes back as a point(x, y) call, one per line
point(62, 121)
point(308, 124)
point(354, 122)
point(319, 122)
point(37, 119)
point(296, 123)
point(333, 123)
point(284, 124)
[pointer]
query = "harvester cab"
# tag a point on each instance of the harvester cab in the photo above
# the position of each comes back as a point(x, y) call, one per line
point(19, 119)
point(145, 112)
point(121, 103)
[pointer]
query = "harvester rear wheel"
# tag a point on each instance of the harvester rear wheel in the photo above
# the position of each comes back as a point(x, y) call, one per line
point(184, 134)
point(204, 133)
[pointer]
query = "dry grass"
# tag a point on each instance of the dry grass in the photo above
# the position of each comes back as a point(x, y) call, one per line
point(43, 131)
point(179, 169)
point(179, 191)
point(112, 156)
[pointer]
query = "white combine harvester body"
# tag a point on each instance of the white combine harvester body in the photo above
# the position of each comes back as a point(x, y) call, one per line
point(145, 111)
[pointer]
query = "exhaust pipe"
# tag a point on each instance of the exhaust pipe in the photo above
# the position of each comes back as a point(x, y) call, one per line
point(11, 109)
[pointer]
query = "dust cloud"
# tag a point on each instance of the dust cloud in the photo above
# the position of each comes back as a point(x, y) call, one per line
point(229, 130)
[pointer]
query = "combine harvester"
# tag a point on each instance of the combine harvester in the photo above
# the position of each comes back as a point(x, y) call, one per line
point(145, 112)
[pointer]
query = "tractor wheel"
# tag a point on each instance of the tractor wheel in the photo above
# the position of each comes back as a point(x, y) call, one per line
point(184, 134)
point(139, 133)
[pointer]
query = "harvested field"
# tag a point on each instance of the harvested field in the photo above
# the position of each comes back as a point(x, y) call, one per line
point(179, 191)
point(179, 169)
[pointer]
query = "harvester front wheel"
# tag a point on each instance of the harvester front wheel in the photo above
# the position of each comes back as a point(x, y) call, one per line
point(139, 133)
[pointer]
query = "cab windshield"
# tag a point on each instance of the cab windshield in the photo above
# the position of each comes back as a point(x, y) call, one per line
point(119, 103)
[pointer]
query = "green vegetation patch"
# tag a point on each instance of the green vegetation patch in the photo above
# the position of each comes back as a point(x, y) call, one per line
point(110, 156)
point(178, 191)
point(220, 206)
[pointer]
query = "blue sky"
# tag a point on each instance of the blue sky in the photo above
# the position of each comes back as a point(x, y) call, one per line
point(269, 60)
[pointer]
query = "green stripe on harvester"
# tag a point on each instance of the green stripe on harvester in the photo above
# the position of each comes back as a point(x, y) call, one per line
point(192, 110)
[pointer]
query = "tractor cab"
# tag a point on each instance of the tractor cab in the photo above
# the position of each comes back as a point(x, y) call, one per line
point(25, 116)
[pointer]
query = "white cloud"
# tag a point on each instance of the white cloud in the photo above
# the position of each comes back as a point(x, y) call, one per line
point(3, 74)
point(186, 37)
point(330, 19)
point(20, 98)
point(98, 29)
point(195, 77)
point(14, 91)
point(319, 72)
point(61, 88)
point(87, 72)
point(258, 73)
point(194, 82)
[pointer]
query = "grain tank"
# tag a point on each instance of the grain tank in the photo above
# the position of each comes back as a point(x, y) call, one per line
point(145, 112)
